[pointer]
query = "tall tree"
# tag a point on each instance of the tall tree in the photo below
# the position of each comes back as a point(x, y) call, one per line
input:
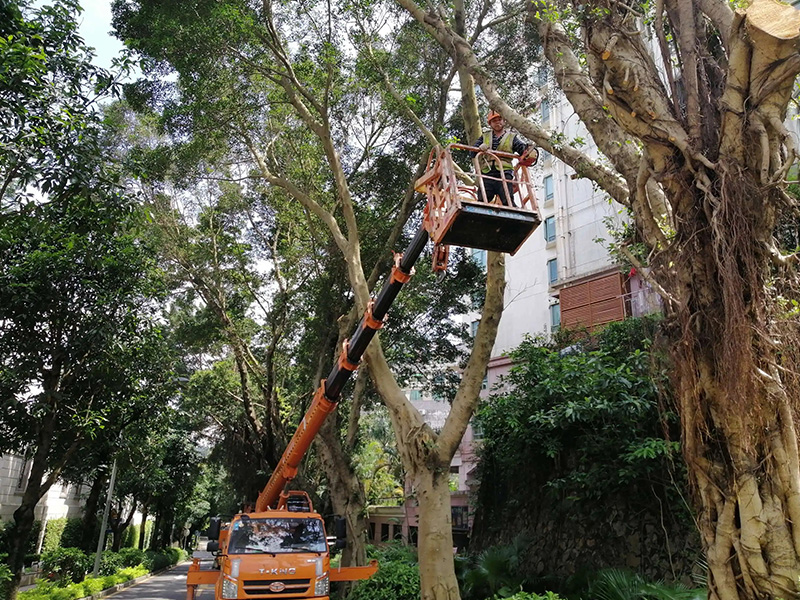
point(76, 338)
point(687, 100)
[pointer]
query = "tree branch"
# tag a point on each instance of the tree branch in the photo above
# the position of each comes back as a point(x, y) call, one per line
point(468, 394)
point(461, 52)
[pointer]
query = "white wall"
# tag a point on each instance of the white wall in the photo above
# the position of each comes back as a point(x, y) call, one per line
point(61, 500)
point(579, 211)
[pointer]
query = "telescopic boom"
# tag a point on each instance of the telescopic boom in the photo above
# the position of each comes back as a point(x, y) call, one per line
point(327, 395)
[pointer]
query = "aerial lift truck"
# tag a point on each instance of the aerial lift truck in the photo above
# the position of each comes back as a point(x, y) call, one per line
point(280, 549)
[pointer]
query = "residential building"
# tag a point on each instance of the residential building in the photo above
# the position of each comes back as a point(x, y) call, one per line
point(563, 275)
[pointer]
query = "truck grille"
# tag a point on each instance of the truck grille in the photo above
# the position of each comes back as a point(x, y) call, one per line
point(260, 587)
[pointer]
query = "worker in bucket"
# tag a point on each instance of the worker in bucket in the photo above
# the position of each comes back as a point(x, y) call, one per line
point(497, 138)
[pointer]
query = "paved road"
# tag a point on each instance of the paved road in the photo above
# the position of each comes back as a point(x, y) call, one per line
point(169, 585)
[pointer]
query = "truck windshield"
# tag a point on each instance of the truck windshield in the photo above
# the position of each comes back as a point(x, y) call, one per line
point(276, 536)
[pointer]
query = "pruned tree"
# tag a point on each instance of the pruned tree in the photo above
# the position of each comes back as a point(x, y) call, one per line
point(687, 102)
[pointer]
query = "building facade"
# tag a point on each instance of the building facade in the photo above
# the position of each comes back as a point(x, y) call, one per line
point(61, 501)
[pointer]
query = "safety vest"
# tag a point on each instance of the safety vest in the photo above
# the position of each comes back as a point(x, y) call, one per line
point(505, 145)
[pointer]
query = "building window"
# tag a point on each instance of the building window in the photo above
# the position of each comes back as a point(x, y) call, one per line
point(413, 535)
point(545, 156)
point(485, 382)
point(555, 316)
point(477, 430)
point(552, 270)
point(384, 532)
point(548, 188)
point(398, 532)
point(460, 515)
point(372, 532)
point(415, 395)
point(550, 229)
point(473, 327)
point(542, 75)
point(545, 113)
point(479, 256)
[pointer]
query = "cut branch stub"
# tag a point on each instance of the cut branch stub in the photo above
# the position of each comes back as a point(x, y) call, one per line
point(774, 30)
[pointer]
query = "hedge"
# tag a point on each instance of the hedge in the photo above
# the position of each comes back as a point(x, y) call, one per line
point(71, 560)
point(46, 590)
point(130, 537)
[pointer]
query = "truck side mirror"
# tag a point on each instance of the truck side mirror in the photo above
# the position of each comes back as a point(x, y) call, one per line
point(212, 546)
point(340, 544)
point(340, 527)
point(213, 528)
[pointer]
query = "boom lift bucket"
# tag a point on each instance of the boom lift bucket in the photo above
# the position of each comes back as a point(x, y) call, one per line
point(458, 212)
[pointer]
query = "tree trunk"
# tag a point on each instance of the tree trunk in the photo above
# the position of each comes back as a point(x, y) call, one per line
point(89, 533)
point(143, 530)
point(737, 408)
point(36, 487)
point(426, 456)
point(123, 525)
point(347, 492)
point(436, 567)
point(167, 526)
point(748, 491)
point(154, 539)
point(23, 525)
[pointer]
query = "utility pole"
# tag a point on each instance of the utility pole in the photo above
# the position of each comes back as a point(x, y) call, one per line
point(102, 538)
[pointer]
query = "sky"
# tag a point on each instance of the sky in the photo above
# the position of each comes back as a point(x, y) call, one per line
point(95, 28)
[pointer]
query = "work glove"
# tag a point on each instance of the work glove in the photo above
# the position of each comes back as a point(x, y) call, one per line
point(483, 147)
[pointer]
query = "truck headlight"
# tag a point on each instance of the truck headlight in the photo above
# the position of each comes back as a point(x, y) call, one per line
point(229, 588)
point(323, 586)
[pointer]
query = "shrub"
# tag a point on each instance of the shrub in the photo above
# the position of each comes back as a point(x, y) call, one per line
point(66, 564)
point(131, 557)
point(54, 529)
point(92, 586)
point(130, 537)
point(395, 580)
point(5, 575)
point(161, 559)
point(7, 531)
point(110, 563)
point(72, 592)
point(531, 596)
point(72, 536)
point(393, 552)
point(132, 572)
point(157, 561)
point(621, 584)
point(46, 590)
point(495, 572)
point(175, 555)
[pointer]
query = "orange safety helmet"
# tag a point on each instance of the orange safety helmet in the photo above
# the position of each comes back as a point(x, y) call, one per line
point(493, 114)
